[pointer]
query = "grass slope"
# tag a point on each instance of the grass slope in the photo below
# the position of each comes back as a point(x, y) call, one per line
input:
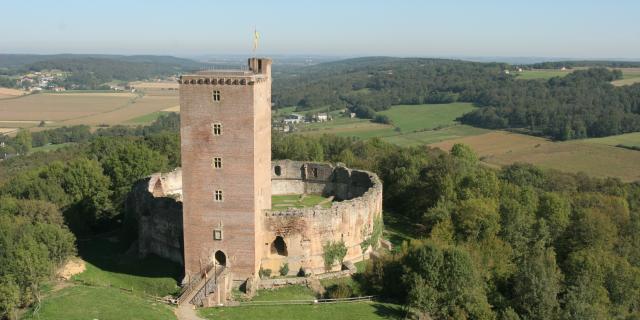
point(108, 265)
point(502, 148)
point(84, 302)
point(627, 140)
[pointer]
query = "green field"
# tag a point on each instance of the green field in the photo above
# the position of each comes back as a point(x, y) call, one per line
point(85, 302)
point(283, 202)
point(426, 116)
point(626, 140)
point(147, 118)
point(541, 74)
point(412, 125)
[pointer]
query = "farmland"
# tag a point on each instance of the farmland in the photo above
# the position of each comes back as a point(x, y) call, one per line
point(502, 148)
point(11, 93)
point(629, 76)
point(93, 109)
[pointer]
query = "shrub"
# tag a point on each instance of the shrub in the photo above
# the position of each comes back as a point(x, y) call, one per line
point(339, 291)
point(284, 270)
point(264, 273)
point(333, 252)
point(381, 118)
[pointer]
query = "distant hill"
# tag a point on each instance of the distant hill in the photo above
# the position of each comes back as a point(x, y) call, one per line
point(91, 71)
point(582, 104)
point(17, 61)
point(586, 63)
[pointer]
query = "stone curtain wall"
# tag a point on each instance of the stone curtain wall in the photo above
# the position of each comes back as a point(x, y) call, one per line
point(358, 203)
point(156, 204)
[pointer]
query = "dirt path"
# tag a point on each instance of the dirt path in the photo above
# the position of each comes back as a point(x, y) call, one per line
point(187, 312)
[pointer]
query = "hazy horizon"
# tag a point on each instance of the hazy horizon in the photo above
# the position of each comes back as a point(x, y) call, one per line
point(464, 29)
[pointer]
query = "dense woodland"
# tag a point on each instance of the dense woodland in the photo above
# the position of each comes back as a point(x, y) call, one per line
point(515, 243)
point(582, 104)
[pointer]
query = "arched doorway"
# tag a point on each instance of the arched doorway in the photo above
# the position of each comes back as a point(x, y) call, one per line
point(221, 258)
point(279, 247)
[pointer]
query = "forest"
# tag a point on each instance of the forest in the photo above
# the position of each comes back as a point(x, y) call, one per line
point(579, 105)
point(512, 243)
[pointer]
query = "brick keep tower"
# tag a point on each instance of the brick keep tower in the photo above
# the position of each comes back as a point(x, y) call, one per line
point(226, 161)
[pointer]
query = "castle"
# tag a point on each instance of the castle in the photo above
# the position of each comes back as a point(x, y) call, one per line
point(214, 215)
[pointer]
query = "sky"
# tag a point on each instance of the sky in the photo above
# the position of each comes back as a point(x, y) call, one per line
point(491, 28)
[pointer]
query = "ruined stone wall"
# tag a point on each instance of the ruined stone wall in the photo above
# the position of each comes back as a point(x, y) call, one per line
point(358, 203)
point(156, 205)
point(351, 217)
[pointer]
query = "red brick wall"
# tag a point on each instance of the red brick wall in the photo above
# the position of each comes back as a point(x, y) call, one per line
point(245, 149)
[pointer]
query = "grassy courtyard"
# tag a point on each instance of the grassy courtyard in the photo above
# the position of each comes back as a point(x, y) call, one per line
point(284, 202)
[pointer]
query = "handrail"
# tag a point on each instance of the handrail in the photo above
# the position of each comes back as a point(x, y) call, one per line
point(195, 283)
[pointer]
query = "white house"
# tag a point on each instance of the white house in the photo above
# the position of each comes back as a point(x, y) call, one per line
point(293, 118)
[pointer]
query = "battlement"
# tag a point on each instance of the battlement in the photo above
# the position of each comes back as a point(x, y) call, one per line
point(259, 69)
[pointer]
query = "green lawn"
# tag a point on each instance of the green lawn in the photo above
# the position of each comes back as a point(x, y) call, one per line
point(627, 140)
point(147, 118)
point(346, 311)
point(541, 74)
point(86, 303)
point(282, 202)
point(107, 264)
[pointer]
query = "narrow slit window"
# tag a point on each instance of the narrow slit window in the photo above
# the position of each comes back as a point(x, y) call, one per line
point(218, 196)
point(217, 163)
point(216, 95)
point(217, 129)
point(315, 172)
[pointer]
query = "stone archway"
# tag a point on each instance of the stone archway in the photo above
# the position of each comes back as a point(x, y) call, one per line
point(279, 247)
point(220, 258)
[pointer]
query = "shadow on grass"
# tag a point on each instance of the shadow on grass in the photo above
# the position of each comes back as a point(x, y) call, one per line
point(390, 311)
point(111, 255)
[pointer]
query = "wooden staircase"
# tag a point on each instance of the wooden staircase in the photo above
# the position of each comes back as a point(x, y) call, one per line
point(204, 279)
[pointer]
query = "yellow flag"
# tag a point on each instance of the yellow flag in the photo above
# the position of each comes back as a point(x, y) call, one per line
point(256, 37)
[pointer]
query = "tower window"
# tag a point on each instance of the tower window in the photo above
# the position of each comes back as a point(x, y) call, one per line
point(217, 163)
point(315, 172)
point(216, 95)
point(218, 196)
point(217, 129)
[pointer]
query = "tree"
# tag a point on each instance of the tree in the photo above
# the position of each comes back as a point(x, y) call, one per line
point(476, 219)
point(536, 285)
point(125, 161)
point(9, 297)
point(23, 141)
